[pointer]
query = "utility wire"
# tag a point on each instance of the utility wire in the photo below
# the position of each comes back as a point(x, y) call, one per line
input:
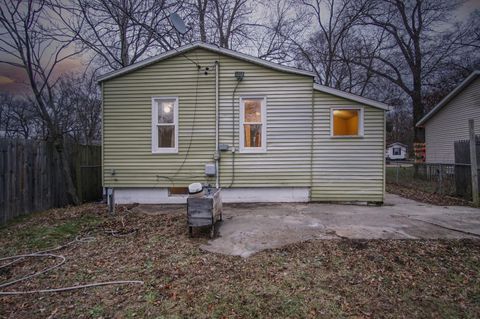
point(193, 124)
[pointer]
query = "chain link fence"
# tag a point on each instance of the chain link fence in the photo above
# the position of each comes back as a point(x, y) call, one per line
point(437, 178)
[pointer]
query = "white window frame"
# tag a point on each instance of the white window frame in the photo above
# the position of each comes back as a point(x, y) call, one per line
point(155, 124)
point(360, 121)
point(243, 148)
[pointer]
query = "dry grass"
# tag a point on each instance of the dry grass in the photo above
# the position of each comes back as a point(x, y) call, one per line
point(339, 278)
point(420, 195)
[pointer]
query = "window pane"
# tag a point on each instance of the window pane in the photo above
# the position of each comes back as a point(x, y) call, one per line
point(253, 135)
point(166, 111)
point(253, 110)
point(345, 122)
point(166, 136)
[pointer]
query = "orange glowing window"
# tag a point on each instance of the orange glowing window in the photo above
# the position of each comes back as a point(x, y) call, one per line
point(347, 122)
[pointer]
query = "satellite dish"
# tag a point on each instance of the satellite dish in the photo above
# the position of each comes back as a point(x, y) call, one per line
point(177, 23)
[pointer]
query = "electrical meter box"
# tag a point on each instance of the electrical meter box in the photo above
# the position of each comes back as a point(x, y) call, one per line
point(210, 169)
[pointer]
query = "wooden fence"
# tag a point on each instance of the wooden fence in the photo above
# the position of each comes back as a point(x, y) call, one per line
point(31, 179)
point(463, 177)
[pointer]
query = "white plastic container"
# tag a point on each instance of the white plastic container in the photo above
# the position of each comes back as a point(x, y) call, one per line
point(195, 190)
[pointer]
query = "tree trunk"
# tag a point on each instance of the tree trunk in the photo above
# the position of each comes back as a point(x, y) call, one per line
point(202, 8)
point(417, 104)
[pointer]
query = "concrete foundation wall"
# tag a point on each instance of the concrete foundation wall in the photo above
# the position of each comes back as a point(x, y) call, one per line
point(231, 195)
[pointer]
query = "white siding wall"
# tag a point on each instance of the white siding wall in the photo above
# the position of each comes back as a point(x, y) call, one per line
point(451, 124)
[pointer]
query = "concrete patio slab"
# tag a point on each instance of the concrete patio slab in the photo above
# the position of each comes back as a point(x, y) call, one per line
point(249, 228)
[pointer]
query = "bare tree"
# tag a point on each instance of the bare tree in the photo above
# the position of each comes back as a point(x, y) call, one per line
point(81, 106)
point(334, 21)
point(19, 117)
point(412, 46)
point(399, 125)
point(226, 23)
point(27, 43)
point(319, 35)
point(118, 32)
point(273, 33)
point(6, 116)
point(230, 21)
point(471, 30)
point(195, 13)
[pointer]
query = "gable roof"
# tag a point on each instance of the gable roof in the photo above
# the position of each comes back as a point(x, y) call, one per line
point(350, 96)
point(397, 143)
point(449, 97)
point(244, 57)
point(210, 47)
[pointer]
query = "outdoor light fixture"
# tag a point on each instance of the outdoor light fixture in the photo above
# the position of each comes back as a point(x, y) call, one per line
point(239, 75)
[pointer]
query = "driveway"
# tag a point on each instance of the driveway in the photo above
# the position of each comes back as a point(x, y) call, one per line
point(249, 228)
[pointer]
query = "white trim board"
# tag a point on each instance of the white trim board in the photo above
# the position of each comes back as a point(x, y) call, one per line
point(158, 195)
point(351, 97)
point(210, 47)
point(151, 195)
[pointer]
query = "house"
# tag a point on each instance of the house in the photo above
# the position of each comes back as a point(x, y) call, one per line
point(261, 131)
point(447, 122)
point(396, 151)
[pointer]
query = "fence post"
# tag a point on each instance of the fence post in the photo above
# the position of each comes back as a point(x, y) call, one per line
point(473, 162)
point(398, 165)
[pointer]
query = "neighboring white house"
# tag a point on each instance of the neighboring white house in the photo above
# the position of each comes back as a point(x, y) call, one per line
point(447, 122)
point(396, 151)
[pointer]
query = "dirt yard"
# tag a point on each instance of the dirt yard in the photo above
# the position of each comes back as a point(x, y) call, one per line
point(321, 278)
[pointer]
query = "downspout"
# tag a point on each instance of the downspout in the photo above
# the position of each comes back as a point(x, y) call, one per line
point(312, 138)
point(103, 135)
point(217, 122)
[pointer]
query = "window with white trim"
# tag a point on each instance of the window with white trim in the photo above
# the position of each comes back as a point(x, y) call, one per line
point(164, 125)
point(346, 122)
point(397, 151)
point(253, 124)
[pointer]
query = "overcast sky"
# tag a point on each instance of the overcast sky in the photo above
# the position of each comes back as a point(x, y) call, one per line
point(14, 79)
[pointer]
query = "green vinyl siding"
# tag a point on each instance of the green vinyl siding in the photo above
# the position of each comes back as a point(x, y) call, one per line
point(335, 169)
point(347, 169)
point(128, 158)
point(129, 162)
point(288, 106)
